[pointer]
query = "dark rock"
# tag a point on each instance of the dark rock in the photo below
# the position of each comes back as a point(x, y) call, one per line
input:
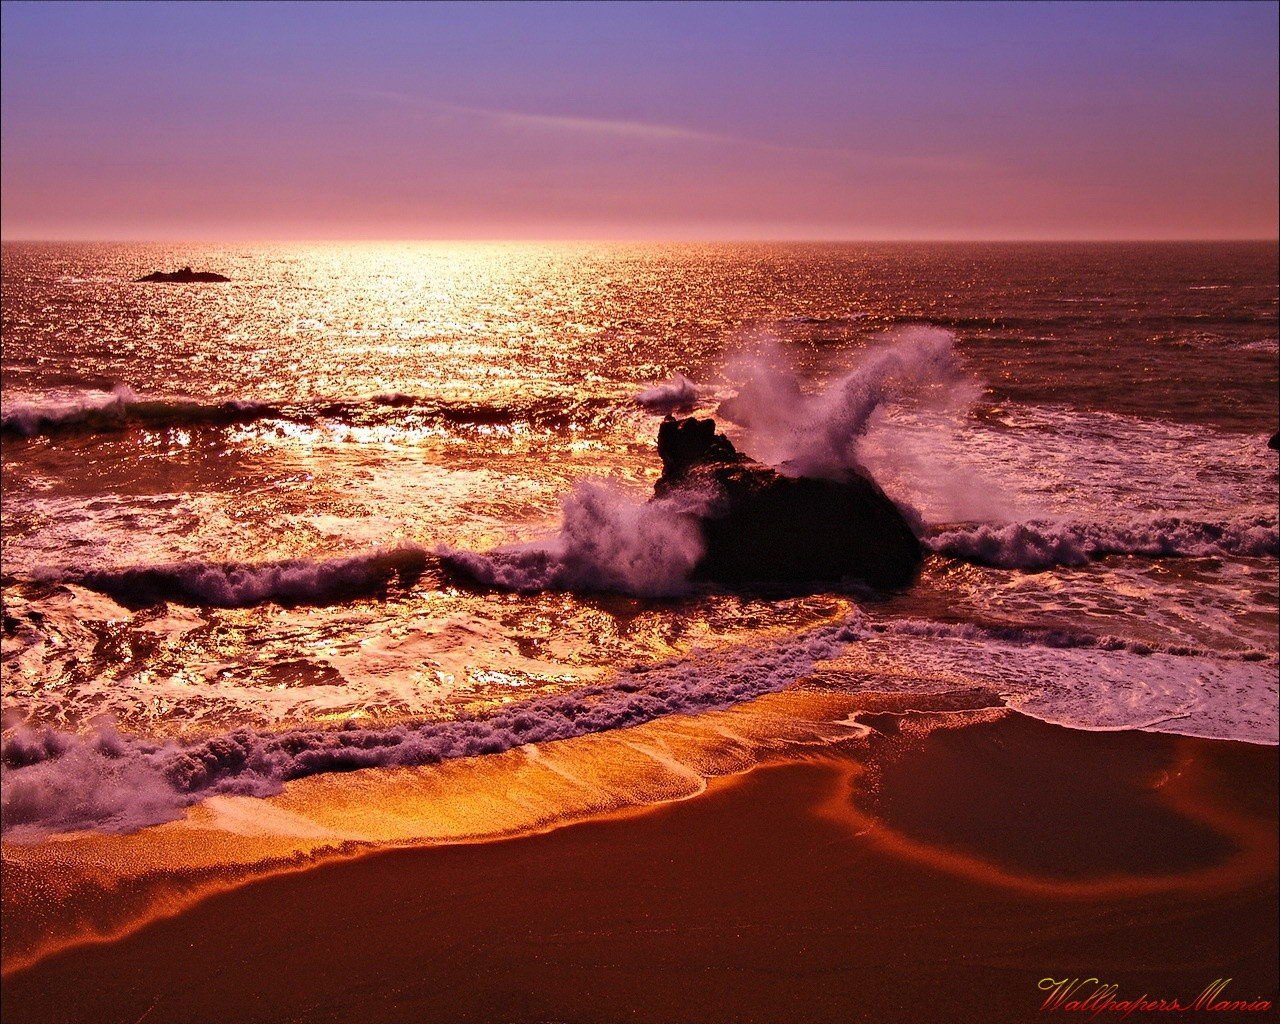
point(184, 276)
point(1274, 443)
point(684, 444)
point(765, 527)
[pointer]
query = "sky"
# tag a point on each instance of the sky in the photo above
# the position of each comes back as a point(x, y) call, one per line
point(907, 121)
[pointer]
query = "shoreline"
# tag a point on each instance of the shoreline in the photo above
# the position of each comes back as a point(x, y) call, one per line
point(224, 843)
point(787, 887)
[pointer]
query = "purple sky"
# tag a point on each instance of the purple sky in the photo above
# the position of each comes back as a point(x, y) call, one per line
point(859, 121)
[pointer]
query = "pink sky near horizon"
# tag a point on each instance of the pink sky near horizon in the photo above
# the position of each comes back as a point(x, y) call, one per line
point(698, 122)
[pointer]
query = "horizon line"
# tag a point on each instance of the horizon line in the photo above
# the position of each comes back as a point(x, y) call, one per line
point(615, 240)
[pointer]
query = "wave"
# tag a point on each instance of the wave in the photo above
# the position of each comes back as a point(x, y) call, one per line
point(679, 394)
point(1019, 327)
point(896, 417)
point(822, 434)
point(92, 412)
point(57, 781)
point(547, 413)
point(240, 584)
point(1042, 544)
point(1077, 680)
point(1063, 639)
point(608, 542)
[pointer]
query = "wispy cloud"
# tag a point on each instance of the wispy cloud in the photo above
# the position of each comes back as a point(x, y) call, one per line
point(571, 123)
point(658, 133)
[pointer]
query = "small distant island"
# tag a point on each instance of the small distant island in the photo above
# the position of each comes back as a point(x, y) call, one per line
point(185, 275)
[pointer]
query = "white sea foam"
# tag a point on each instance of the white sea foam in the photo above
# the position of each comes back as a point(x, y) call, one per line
point(679, 394)
point(897, 415)
point(1105, 685)
point(1046, 543)
point(238, 584)
point(903, 414)
point(821, 434)
point(608, 541)
point(1032, 636)
point(58, 781)
point(30, 416)
point(109, 410)
point(106, 411)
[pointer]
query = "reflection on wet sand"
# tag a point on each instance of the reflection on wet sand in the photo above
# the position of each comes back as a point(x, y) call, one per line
point(890, 774)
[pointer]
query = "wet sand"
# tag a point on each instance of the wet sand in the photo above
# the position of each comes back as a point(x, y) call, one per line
point(930, 875)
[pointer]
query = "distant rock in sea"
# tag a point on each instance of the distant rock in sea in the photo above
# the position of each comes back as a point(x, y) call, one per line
point(184, 276)
point(764, 526)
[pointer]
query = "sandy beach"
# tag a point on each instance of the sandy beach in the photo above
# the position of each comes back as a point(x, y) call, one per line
point(926, 874)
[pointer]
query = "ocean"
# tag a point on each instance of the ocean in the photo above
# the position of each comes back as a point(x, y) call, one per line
point(378, 505)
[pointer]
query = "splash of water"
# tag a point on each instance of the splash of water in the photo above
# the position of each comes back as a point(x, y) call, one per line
point(894, 417)
point(679, 394)
point(608, 541)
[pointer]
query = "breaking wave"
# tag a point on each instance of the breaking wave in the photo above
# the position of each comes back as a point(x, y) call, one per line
point(240, 584)
point(679, 394)
point(896, 417)
point(1062, 639)
point(60, 781)
point(1078, 680)
point(820, 434)
point(101, 411)
point(93, 412)
point(1042, 544)
point(608, 541)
